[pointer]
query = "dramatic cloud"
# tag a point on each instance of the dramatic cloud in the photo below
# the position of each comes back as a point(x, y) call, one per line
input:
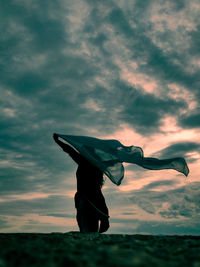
point(180, 202)
point(190, 120)
point(127, 70)
point(186, 149)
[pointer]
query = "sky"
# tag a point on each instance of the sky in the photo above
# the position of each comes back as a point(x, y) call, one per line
point(111, 69)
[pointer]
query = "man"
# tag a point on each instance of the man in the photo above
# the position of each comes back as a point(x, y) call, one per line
point(89, 200)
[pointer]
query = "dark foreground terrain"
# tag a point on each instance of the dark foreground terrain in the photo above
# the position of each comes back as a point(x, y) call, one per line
point(76, 249)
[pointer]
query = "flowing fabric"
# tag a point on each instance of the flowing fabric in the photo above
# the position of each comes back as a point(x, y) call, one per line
point(108, 156)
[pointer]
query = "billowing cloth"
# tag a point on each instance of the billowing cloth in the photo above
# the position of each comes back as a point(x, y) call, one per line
point(108, 156)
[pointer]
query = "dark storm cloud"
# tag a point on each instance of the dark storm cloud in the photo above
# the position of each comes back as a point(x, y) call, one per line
point(71, 71)
point(178, 5)
point(190, 120)
point(13, 181)
point(60, 215)
point(195, 41)
point(157, 62)
point(41, 19)
point(154, 227)
point(145, 111)
point(181, 202)
point(35, 170)
point(4, 223)
point(41, 206)
point(168, 228)
point(44, 228)
point(179, 149)
point(157, 184)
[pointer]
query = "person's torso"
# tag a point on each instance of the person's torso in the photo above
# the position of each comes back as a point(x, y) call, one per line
point(89, 178)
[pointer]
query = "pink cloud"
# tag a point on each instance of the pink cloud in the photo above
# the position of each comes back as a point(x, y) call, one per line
point(139, 80)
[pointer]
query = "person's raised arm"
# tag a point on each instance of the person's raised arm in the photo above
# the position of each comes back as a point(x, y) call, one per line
point(68, 149)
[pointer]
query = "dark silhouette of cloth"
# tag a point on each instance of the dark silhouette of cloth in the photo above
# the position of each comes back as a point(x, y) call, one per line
point(89, 200)
point(109, 155)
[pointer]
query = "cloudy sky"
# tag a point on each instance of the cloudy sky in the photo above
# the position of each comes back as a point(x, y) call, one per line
point(112, 69)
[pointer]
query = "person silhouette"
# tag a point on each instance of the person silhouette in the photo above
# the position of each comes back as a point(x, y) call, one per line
point(92, 213)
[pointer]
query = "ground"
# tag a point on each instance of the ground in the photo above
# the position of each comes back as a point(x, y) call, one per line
point(76, 249)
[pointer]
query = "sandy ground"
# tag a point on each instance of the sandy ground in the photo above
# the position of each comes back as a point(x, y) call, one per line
point(76, 249)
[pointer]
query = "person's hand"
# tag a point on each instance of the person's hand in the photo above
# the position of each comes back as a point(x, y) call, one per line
point(55, 137)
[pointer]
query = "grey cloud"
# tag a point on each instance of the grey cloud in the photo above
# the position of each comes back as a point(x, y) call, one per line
point(153, 227)
point(168, 67)
point(177, 210)
point(178, 5)
point(30, 227)
point(13, 181)
point(37, 170)
point(144, 111)
point(123, 220)
point(71, 69)
point(179, 150)
point(49, 34)
point(128, 213)
point(41, 206)
point(147, 206)
point(157, 65)
point(143, 49)
point(156, 184)
point(42, 21)
point(181, 202)
point(190, 120)
point(4, 224)
point(28, 84)
point(168, 228)
point(99, 41)
point(117, 18)
point(195, 41)
point(60, 215)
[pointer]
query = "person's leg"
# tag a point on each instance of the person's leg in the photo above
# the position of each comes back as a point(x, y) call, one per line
point(93, 222)
point(80, 215)
point(104, 225)
point(100, 203)
point(86, 216)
